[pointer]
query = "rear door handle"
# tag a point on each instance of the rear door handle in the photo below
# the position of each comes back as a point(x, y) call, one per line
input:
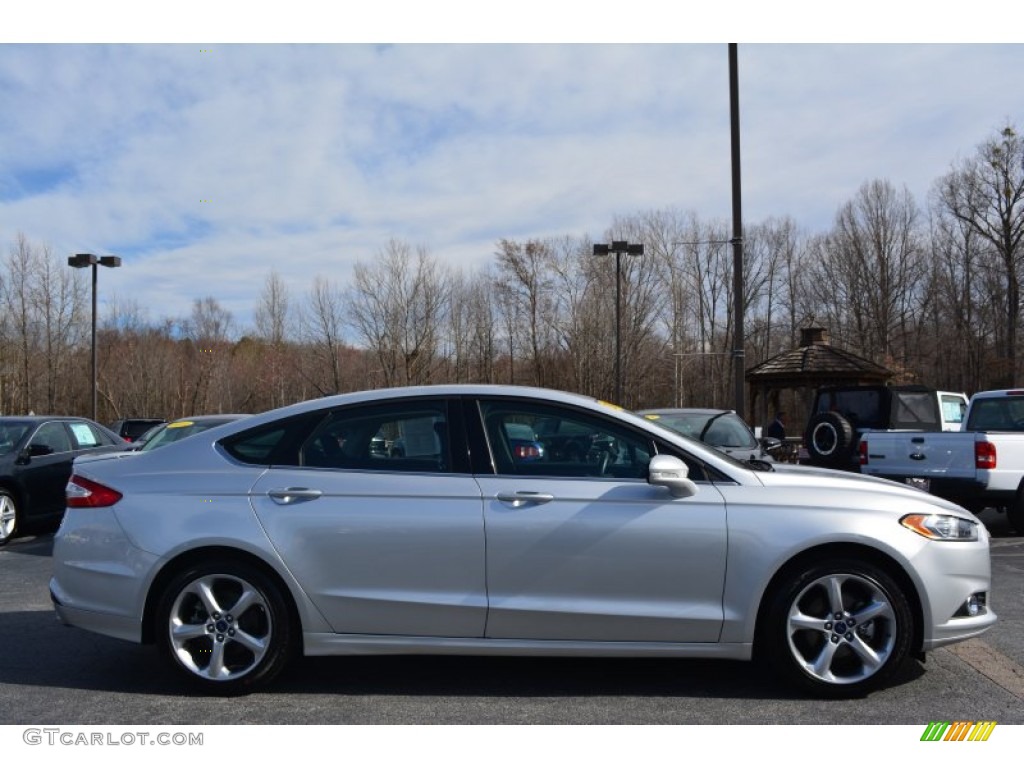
point(294, 495)
point(519, 499)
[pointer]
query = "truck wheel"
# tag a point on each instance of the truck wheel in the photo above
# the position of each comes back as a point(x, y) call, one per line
point(1015, 514)
point(829, 438)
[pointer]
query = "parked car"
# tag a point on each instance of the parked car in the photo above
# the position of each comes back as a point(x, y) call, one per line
point(132, 429)
point(524, 443)
point(722, 429)
point(241, 546)
point(35, 463)
point(173, 431)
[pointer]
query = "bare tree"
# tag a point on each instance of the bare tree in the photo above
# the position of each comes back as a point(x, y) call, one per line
point(272, 319)
point(206, 358)
point(398, 306)
point(524, 276)
point(322, 330)
point(986, 193)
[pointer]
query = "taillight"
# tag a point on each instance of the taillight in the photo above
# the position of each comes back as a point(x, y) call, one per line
point(984, 455)
point(82, 492)
point(526, 451)
point(862, 451)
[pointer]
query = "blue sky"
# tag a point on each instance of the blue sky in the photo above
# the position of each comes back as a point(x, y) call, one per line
point(205, 165)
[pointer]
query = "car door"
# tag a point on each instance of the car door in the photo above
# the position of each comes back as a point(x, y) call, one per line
point(382, 543)
point(584, 549)
point(43, 469)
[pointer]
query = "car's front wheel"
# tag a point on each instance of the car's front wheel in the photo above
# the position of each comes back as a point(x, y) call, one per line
point(226, 626)
point(839, 628)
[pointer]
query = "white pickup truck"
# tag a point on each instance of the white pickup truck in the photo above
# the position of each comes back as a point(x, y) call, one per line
point(981, 466)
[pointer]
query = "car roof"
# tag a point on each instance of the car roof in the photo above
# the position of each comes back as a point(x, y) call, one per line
point(35, 418)
point(212, 417)
point(684, 411)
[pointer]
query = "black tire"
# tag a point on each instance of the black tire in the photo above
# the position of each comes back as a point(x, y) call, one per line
point(220, 652)
point(1015, 514)
point(837, 629)
point(9, 517)
point(829, 438)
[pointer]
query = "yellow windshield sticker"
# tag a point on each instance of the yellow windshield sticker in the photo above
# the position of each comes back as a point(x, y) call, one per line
point(613, 406)
point(180, 424)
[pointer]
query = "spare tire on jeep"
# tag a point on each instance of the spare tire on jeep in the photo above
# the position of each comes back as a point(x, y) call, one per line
point(829, 438)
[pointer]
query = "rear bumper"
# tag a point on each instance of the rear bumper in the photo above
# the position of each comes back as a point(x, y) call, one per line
point(121, 627)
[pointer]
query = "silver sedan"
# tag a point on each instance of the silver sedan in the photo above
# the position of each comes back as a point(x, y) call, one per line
point(292, 532)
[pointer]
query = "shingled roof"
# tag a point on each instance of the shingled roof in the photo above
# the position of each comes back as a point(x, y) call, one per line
point(817, 363)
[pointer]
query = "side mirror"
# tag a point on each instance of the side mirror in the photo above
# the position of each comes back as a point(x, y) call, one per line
point(672, 473)
point(35, 449)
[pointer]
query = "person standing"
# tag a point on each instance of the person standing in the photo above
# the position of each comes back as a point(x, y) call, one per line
point(777, 428)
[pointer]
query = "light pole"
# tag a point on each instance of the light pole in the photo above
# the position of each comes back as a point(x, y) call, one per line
point(618, 247)
point(79, 261)
point(737, 231)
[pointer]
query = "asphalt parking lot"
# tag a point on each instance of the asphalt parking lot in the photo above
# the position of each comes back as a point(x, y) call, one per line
point(53, 674)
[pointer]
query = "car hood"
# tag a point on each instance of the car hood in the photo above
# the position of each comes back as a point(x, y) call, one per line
point(836, 481)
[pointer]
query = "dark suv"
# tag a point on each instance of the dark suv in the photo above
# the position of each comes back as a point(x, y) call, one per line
point(841, 414)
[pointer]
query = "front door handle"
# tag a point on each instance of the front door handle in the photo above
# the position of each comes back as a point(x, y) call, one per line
point(294, 495)
point(519, 499)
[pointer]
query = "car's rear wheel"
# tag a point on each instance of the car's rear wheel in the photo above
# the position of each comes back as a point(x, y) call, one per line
point(8, 517)
point(839, 628)
point(226, 626)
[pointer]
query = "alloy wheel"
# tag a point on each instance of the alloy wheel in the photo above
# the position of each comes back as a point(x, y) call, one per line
point(220, 627)
point(842, 628)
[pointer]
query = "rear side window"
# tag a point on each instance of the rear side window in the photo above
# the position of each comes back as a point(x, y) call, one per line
point(88, 437)
point(862, 408)
point(405, 436)
point(402, 436)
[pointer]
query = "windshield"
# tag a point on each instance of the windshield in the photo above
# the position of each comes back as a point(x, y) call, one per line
point(721, 430)
point(177, 430)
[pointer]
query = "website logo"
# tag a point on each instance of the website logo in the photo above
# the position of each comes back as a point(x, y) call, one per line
point(960, 730)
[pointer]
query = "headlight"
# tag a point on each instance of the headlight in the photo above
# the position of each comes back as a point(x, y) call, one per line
point(941, 527)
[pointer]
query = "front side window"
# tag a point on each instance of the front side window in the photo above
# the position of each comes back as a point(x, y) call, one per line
point(536, 439)
point(51, 437)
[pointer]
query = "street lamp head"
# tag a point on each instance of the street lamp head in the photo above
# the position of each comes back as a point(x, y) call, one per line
point(80, 260)
point(110, 261)
point(619, 247)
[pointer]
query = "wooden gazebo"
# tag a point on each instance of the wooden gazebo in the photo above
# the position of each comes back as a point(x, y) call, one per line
point(815, 363)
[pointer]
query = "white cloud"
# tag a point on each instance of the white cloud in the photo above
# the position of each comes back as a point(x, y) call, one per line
point(207, 166)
